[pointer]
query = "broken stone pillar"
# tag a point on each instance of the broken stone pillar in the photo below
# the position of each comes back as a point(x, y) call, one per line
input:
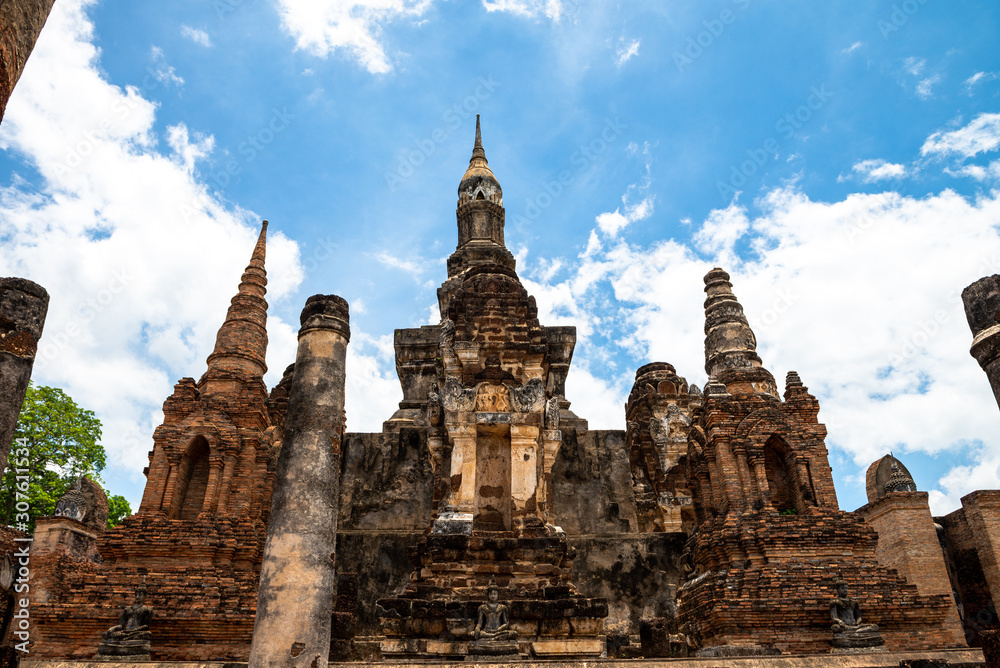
point(982, 308)
point(21, 22)
point(23, 306)
point(297, 580)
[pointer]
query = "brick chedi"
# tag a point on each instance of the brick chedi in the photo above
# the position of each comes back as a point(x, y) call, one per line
point(659, 417)
point(907, 535)
point(494, 417)
point(771, 540)
point(198, 534)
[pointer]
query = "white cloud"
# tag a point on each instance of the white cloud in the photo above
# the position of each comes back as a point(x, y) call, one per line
point(924, 86)
point(832, 290)
point(372, 395)
point(969, 85)
point(163, 72)
point(914, 66)
point(414, 268)
point(987, 173)
point(197, 36)
point(871, 171)
point(626, 51)
point(186, 153)
point(982, 135)
point(551, 9)
point(852, 48)
point(611, 223)
point(960, 480)
point(139, 258)
point(720, 232)
point(323, 27)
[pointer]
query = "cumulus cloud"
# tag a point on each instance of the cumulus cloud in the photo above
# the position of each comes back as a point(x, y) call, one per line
point(871, 171)
point(981, 135)
point(833, 292)
point(323, 27)
point(115, 230)
point(199, 37)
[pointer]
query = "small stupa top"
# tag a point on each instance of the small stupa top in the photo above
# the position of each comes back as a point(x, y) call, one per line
point(478, 182)
point(887, 476)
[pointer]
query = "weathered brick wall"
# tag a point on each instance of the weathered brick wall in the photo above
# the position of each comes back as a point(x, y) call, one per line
point(766, 578)
point(386, 492)
point(963, 547)
point(982, 512)
point(787, 606)
point(908, 542)
point(637, 572)
point(199, 613)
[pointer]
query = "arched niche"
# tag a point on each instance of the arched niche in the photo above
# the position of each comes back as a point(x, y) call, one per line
point(779, 468)
point(192, 481)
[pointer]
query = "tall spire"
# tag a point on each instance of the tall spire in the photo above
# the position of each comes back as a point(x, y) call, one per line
point(480, 218)
point(477, 150)
point(241, 344)
point(729, 341)
point(478, 182)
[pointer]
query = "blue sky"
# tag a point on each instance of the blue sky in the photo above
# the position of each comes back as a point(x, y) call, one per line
point(841, 161)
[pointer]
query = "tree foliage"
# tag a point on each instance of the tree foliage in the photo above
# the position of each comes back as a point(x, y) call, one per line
point(61, 443)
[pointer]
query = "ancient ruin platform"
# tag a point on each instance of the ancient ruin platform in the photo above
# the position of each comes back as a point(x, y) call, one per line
point(957, 658)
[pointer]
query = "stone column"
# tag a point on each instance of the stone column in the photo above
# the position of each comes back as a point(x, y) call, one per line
point(982, 308)
point(297, 582)
point(23, 306)
point(523, 468)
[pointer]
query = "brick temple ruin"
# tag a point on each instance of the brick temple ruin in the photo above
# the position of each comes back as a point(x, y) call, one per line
point(711, 517)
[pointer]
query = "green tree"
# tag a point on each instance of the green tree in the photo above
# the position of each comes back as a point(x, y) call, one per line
point(61, 442)
point(118, 509)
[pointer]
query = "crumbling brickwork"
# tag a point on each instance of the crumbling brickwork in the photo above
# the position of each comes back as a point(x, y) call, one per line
point(908, 542)
point(198, 534)
point(970, 540)
point(771, 539)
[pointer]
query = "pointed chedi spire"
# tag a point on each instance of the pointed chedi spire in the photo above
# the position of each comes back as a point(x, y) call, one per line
point(478, 182)
point(241, 344)
point(480, 217)
point(477, 149)
point(729, 341)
